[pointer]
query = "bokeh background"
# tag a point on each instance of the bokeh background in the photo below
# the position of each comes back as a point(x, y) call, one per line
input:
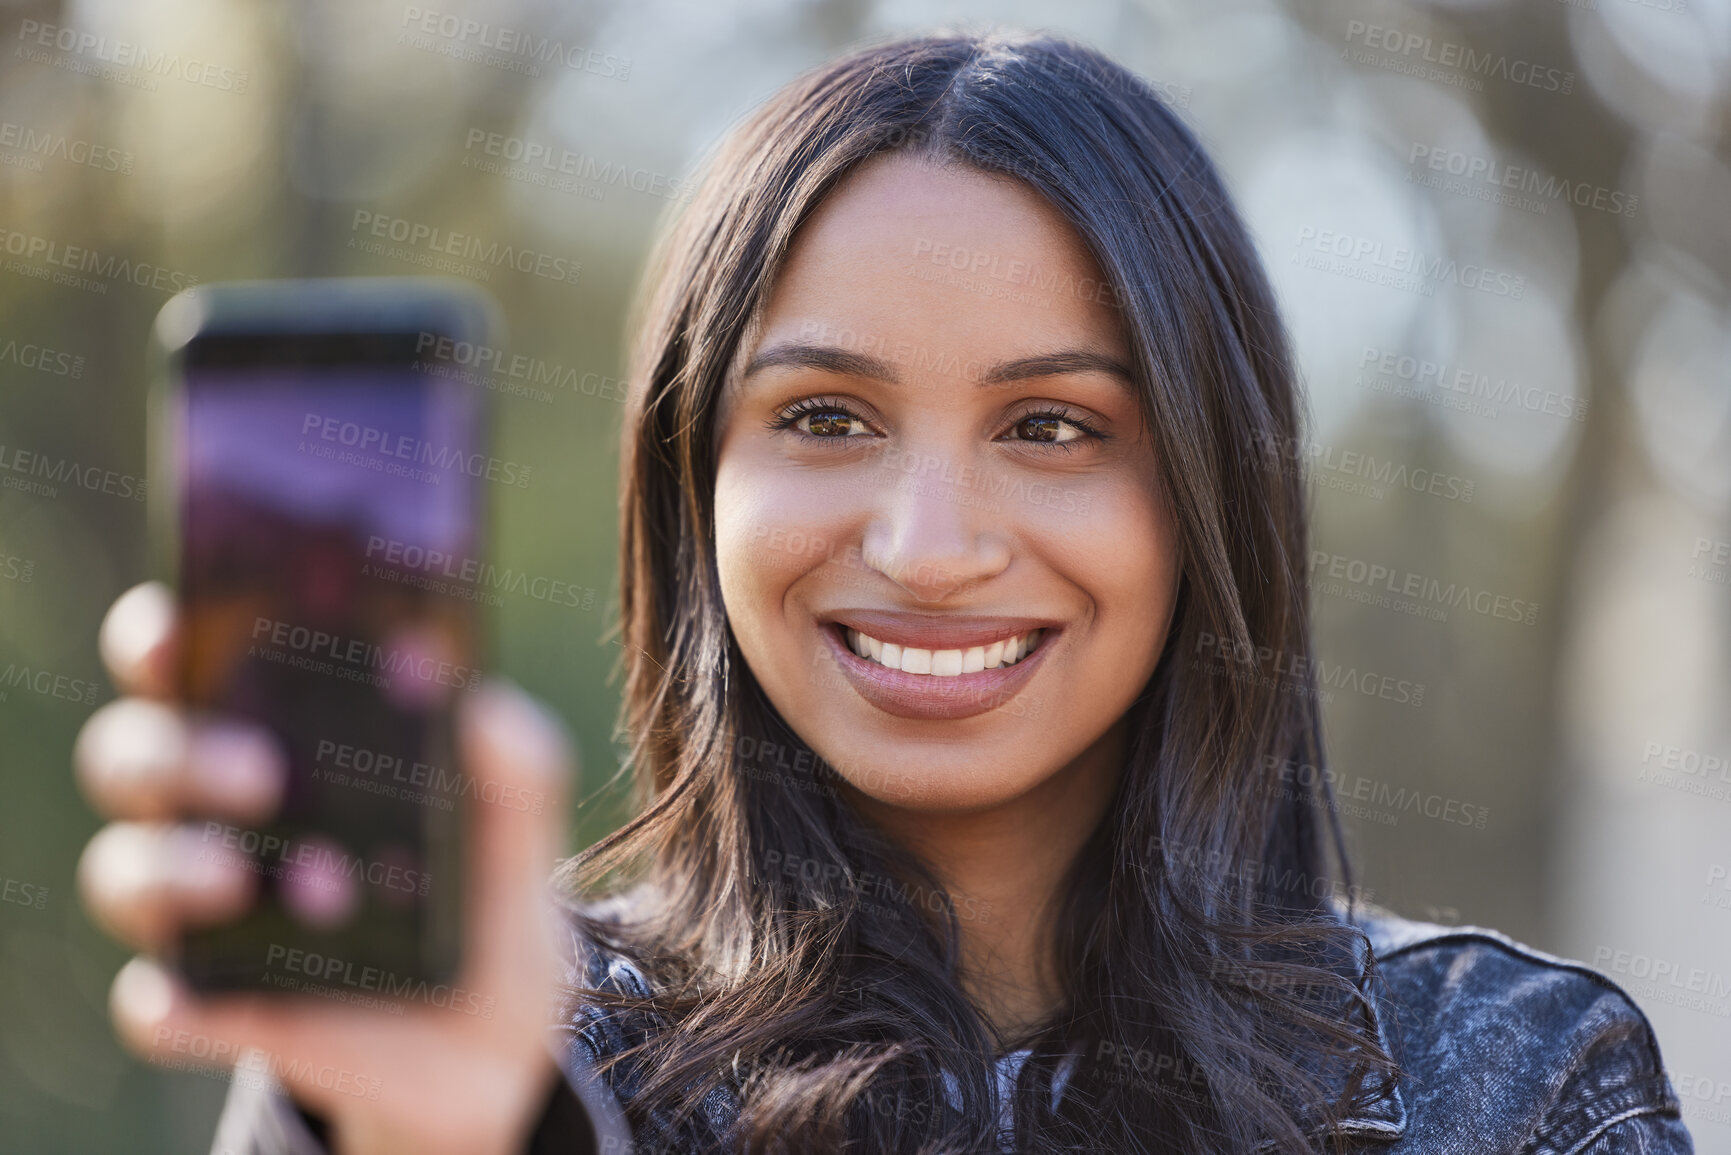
point(1501, 230)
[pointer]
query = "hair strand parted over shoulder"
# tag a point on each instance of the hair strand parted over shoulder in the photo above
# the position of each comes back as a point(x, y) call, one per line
point(1196, 933)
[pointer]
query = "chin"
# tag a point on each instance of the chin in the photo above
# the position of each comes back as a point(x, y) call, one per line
point(987, 775)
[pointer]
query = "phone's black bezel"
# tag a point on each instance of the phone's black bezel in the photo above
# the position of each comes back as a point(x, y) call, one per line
point(333, 323)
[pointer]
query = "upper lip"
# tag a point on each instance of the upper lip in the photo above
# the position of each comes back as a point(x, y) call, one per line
point(929, 631)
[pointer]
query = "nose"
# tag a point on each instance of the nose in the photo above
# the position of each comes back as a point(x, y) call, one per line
point(935, 531)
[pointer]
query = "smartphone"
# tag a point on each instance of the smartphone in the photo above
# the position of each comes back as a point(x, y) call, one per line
point(319, 477)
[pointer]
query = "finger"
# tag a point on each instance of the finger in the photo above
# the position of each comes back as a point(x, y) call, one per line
point(137, 641)
point(521, 762)
point(143, 882)
point(331, 1059)
point(159, 1019)
point(139, 759)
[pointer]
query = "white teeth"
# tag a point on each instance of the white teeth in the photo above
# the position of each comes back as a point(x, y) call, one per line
point(942, 663)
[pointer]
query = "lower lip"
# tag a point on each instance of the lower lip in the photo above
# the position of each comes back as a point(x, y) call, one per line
point(930, 696)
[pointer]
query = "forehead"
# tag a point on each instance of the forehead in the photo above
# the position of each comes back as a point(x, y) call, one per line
point(938, 260)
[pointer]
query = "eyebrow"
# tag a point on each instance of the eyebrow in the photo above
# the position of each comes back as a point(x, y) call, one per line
point(829, 359)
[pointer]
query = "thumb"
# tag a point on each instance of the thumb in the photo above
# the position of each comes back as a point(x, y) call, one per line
point(520, 760)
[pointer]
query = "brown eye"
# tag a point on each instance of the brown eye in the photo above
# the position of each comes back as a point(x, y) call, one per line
point(829, 423)
point(1038, 428)
point(1047, 427)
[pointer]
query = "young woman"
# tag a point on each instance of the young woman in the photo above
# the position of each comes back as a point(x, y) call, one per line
point(966, 643)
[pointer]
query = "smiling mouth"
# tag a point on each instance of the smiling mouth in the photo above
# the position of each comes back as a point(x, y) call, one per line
point(969, 665)
point(1005, 651)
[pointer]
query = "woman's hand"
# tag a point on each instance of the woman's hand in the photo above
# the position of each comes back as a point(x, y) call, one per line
point(432, 1079)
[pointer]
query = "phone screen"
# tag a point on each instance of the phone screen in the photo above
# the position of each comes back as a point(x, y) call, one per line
point(329, 510)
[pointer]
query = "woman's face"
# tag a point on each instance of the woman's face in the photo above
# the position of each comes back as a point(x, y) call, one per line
point(932, 459)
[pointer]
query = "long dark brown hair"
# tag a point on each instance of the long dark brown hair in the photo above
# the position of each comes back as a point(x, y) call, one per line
point(1202, 936)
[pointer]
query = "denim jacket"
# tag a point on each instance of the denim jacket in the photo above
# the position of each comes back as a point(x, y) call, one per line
point(1503, 1050)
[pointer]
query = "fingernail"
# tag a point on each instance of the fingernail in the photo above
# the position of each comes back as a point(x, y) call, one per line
point(137, 621)
point(207, 873)
point(142, 993)
point(237, 766)
point(132, 751)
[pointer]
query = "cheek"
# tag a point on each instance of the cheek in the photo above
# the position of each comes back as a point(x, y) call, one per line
point(1126, 558)
point(768, 534)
